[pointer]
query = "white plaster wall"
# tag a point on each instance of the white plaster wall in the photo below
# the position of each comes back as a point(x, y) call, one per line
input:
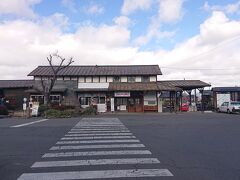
point(102, 79)
point(95, 79)
point(88, 79)
point(138, 79)
point(123, 78)
point(153, 78)
point(93, 85)
point(81, 79)
point(109, 79)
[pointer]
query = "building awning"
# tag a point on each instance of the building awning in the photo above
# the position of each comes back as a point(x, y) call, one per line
point(91, 90)
point(60, 90)
point(167, 87)
point(8, 84)
point(139, 86)
point(226, 89)
point(186, 84)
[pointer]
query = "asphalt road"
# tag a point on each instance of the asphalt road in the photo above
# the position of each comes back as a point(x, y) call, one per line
point(192, 146)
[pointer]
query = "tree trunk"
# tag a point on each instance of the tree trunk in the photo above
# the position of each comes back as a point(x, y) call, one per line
point(46, 99)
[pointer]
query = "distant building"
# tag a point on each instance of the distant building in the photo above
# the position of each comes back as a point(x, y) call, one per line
point(225, 94)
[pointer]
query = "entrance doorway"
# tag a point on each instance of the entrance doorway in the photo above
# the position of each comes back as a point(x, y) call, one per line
point(135, 104)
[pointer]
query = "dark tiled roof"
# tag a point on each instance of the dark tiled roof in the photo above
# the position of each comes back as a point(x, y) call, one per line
point(162, 86)
point(226, 89)
point(16, 83)
point(99, 70)
point(186, 84)
point(151, 86)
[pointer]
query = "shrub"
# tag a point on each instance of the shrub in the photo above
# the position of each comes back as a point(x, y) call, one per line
point(3, 110)
point(53, 113)
point(42, 108)
point(89, 111)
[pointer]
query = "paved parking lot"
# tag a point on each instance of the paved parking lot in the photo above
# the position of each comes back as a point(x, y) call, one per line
point(131, 146)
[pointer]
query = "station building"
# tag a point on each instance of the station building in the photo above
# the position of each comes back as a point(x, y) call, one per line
point(129, 88)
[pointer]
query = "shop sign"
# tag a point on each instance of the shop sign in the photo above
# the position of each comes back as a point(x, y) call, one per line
point(122, 94)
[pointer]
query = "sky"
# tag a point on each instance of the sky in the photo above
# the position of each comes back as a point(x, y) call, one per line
point(188, 39)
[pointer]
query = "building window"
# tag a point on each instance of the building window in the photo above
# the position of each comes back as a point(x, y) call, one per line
point(101, 100)
point(55, 99)
point(116, 79)
point(85, 100)
point(131, 79)
point(37, 98)
point(145, 79)
point(92, 100)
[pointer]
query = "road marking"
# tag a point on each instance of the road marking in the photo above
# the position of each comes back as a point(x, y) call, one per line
point(99, 137)
point(99, 141)
point(26, 124)
point(99, 134)
point(99, 129)
point(99, 125)
point(98, 146)
point(96, 162)
point(96, 174)
point(97, 153)
point(117, 131)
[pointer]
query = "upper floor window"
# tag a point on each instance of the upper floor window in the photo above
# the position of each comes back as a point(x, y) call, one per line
point(145, 79)
point(116, 79)
point(131, 79)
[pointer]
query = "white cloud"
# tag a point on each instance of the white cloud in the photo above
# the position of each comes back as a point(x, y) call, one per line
point(130, 6)
point(94, 9)
point(170, 10)
point(122, 21)
point(216, 47)
point(229, 8)
point(22, 8)
point(69, 4)
point(25, 45)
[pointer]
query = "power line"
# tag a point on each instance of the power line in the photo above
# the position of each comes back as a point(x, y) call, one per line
point(201, 69)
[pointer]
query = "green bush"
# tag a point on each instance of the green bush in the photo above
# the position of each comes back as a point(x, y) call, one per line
point(53, 113)
point(3, 110)
point(42, 108)
point(89, 111)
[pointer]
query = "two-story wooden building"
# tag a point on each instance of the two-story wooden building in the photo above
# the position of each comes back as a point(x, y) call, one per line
point(112, 88)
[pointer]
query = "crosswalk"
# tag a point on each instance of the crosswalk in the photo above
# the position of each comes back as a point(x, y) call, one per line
point(97, 148)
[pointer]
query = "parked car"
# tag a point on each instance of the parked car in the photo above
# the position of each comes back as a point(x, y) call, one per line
point(185, 107)
point(230, 107)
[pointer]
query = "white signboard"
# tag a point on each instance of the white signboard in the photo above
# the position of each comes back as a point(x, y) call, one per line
point(221, 98)
point(122, 94)
point(24, 106)
point(35, 109)
point(112, 104)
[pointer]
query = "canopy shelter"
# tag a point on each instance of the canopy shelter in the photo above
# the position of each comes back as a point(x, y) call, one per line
point(175, 86)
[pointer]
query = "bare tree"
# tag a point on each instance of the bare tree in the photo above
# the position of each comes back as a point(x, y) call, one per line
point(48, 83)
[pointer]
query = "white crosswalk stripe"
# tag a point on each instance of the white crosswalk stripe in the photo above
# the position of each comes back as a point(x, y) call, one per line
point(97, 137)
point(101, 146)
point(100, 134)
point(96, 174)
point(82, 132)
point(95, 162)
point(98, 141)
point(97, 153)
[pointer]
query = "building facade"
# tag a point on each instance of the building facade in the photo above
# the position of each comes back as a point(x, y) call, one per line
point(129, 88)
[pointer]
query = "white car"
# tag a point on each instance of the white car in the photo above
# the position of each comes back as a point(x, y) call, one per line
point(230, 107)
